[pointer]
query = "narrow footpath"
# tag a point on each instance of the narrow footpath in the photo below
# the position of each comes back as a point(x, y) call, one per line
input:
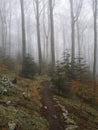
point(50, 109)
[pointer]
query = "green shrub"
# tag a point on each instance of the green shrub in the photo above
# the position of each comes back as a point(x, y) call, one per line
point(66, 71)
point(29, 68)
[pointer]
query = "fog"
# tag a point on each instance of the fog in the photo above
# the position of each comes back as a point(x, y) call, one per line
point(10, 26)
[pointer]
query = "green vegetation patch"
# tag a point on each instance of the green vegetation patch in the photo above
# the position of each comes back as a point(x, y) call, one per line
point(25, 112)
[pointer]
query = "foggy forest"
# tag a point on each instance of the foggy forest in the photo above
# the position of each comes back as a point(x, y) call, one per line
point(48, 65)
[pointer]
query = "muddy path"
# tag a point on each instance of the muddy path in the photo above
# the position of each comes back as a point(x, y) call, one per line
point(50, 109)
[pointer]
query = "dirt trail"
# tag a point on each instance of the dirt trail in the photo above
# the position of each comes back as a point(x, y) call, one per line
point(50, 110)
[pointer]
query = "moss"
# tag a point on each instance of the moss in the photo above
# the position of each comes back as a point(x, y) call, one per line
point(89, 114)
point(24, 112)
point(40, 123)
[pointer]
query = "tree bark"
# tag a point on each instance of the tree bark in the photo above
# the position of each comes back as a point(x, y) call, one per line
point(74, 18)
point(95, 42)
point(79, 44)
point(72, 32)
point(23, 30)
point(52, 34)
point(38, 37)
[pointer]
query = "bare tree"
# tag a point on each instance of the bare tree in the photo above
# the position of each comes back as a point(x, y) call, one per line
point(9, 23)
point(3, 17)
point(63, 23)
point(23, 30)
point(95, 13)
point(74, 17)
point(51, 5)
point(38, 12)
point(3, 33)
point(44, 31)
point(79, 44)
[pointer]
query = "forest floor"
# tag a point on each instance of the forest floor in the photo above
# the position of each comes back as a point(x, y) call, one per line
point(21, 110)
point(42, 109)
point(51, 110)
point(65, 114)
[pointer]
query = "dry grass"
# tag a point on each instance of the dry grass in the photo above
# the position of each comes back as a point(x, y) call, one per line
point(24, 111)
point(86, 120)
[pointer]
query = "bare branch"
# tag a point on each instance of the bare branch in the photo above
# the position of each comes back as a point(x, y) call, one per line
point(53, 4)
point(42, 8)
point(35, 8)
point(78, 11)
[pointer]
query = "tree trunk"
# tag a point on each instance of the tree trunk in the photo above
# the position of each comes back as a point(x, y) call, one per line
point(79, 45)
point(10, 22)
point(52, 35)
point(72, 32)
point(38, 38)
point(44, 30)
point(23, 30)
point(3, 41)
point(95, 43)
point(64, 39)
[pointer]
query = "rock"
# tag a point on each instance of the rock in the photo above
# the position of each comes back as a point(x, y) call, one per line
point(25, 94)
point(71, 127)
point(65, 111)
point(4, 91)
point(70, 121)
point(45, 107)
point(12, 125)
point(65, 116)
point(8, 102)
point(5, 85)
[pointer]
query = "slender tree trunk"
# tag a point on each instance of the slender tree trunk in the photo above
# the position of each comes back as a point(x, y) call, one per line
point(79, 45)
point(3, 43)
point(52, 34)
point(95, 43)
point(19, 42)
point(2, 33)
point(5, 36)
point(47, 48)
point(10, 35)
point(64, 40)
point(74, 18)
point(72, 32)
point(47, 38)
point(38, 38)
point(44, 29)
point(23, 30)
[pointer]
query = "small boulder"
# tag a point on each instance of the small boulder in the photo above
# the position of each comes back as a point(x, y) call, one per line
point(26, 95)
point(45, 107)
point(12, 125)
point(8, 102)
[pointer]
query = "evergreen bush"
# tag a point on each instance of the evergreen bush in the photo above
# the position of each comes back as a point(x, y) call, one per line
point(66, 71)
point(29, 67)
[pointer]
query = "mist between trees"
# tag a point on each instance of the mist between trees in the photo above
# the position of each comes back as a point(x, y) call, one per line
point(48, 64)
point(44, 29)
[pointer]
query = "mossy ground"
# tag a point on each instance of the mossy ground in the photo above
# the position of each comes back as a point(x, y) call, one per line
point(25, 112)
point(85, 117)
